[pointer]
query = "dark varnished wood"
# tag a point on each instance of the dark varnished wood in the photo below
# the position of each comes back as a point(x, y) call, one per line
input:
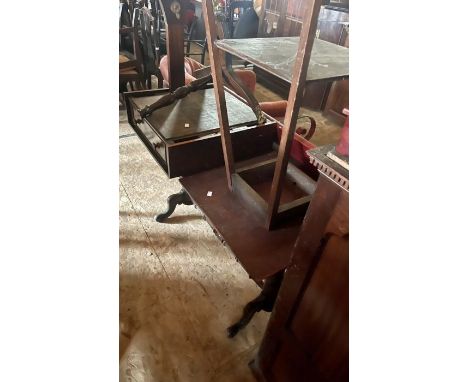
point(264, 301)
point(261, 252)
point(184, 150)
point(175, 40)
point(194, 115)
point(307, 335)
point(172, 202)
point(253, 184)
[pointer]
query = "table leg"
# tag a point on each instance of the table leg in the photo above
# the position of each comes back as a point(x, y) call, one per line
point(264, 301)
point(173, 200)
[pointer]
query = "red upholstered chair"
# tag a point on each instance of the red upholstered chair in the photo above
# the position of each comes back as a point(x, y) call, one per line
point(275, 109)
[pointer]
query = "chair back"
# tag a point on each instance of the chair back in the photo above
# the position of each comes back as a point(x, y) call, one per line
point(125, 16)
point(149, 42)
point(130, 47)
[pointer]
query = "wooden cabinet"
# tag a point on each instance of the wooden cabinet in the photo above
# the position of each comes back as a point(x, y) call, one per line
point(307, 335)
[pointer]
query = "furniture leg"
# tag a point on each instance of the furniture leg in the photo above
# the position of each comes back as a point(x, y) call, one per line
point(202, 59)
point(173, 200)
point(264, 301)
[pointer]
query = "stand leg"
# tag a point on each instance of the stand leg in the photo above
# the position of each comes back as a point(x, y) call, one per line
point(173, 200)
point(265, 301)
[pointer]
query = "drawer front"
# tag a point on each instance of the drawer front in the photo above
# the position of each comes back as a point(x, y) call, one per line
point(159, 146)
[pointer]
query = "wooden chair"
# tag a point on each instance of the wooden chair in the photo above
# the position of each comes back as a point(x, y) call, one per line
point(139, 63)
point(194, 33)
point(150, 48)
point(131, 70)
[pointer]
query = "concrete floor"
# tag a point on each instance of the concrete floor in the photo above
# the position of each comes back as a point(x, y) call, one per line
point(180, 288)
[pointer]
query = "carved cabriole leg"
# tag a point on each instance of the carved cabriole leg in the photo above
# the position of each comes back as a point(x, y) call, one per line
point(173, 200)
point(265, 301)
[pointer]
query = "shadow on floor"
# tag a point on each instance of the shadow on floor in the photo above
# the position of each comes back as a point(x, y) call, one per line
point(175, 330)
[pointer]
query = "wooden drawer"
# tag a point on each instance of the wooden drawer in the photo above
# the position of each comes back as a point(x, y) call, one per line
point(196, 147)
point(160, 147)
point(156, 142)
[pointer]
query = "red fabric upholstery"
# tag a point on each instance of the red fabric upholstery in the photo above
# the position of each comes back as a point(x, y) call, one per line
point(298, 151)
point(190, 66)
point(248, 78)
point(275, 109)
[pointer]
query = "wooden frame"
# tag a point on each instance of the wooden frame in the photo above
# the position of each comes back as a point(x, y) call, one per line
point(294, 102)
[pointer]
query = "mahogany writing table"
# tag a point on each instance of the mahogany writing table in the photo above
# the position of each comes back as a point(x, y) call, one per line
point(260, 251)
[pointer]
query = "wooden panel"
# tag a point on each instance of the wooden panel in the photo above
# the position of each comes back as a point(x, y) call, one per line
point(202, 154)
point(307, 335)
point(320, 323)
point(331, 27)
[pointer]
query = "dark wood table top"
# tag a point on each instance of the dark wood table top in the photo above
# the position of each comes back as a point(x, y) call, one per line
point(261, 252)
point(277, 56)
point(195, 114)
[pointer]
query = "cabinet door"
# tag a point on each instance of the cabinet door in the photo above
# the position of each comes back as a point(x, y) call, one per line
point(307, 336)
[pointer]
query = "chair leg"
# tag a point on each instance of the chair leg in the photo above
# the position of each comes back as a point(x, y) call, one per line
point(202, 58)
point(160, 80)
